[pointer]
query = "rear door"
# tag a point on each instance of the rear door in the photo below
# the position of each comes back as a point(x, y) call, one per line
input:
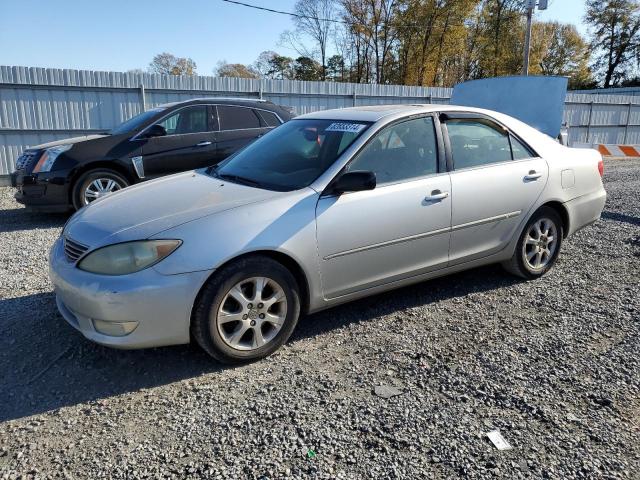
point(190, 142)
point(239, 126)
point(495, 181)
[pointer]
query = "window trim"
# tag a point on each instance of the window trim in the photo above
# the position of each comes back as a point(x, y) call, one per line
point(440, 160)
point(138, 136)
point(490, 122)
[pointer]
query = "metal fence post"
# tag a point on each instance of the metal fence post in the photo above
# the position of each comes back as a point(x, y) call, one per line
point(354, 98)
point(589, 121)
point(626, 126)
point(143, 100)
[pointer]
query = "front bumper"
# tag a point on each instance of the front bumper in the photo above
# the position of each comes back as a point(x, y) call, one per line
point(160, 304)
point(42, 191)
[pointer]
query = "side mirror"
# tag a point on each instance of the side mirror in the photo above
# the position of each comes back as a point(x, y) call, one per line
point(356, 181)
point(155, 131)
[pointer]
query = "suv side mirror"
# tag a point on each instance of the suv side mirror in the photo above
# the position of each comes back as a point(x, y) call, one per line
point(155, 131)
point(355, 181)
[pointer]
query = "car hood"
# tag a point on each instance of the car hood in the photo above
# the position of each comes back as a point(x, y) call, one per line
point(149, 208)
point(67, 141)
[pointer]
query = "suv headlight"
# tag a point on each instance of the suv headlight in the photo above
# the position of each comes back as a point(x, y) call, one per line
point(129, 257)
point(48, 158)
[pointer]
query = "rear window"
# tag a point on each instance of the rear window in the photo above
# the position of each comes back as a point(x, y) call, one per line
point(269, 118)
point(237, 118)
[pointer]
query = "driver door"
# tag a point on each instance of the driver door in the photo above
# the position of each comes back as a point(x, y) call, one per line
point(397, 230)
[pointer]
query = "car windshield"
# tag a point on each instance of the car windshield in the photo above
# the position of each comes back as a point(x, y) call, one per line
point(292, 155)
point(136, 122)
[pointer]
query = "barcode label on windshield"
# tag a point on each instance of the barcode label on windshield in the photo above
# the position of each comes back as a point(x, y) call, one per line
point(345, 127)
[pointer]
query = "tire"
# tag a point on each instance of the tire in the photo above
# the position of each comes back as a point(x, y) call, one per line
point(229, 326)
point(528, 252)
point(86, 181)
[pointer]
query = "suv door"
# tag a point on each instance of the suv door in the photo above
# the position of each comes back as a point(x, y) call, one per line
point(238, 127)
point(495, 181)
point(190, 142)
point(398, 229)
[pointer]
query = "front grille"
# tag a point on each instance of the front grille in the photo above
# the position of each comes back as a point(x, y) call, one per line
point(73, 250)
point(24, 161)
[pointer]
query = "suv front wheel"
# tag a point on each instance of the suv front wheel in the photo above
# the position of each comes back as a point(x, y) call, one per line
point(96, 184)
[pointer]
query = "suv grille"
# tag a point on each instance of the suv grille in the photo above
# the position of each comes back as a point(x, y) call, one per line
point(23, 162)
point(73, 250)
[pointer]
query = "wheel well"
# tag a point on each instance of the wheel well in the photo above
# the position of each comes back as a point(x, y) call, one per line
point(286, 261)
point(106, 164)
point(563, 213)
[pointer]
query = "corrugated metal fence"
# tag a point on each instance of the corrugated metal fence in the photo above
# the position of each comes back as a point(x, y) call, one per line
point(39, 105)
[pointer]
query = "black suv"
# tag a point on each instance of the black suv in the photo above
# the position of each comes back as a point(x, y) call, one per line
point(164, 140)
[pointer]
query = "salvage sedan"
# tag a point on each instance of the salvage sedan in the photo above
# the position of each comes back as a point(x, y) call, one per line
point(329, 207)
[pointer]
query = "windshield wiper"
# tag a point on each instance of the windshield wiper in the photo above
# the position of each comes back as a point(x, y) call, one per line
point(238, 179)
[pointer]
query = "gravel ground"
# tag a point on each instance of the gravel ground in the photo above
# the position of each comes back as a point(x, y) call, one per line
point(553, 364)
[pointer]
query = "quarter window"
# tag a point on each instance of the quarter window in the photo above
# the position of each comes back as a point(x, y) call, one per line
point(400, 152)
point(519, 150)
point(237, 118)
point(268, 118)
point(186, 120)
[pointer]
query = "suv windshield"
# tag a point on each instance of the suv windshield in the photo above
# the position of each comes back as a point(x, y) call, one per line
point(291, 156)
point(136, 122)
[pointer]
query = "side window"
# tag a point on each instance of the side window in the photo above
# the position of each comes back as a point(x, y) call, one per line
point(518, 150)
point(400, 152)
point(237, 118)
point(269, 119)
point(186, 120)
point(475, 143)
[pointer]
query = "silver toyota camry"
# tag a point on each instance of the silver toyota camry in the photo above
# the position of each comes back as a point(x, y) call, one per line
point(329, 207)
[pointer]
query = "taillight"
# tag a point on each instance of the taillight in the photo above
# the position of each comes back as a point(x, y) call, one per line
point(601, 167)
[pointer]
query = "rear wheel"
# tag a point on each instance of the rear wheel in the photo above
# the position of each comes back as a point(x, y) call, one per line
point(96, 184)
point(247, 310)
point(538, 246)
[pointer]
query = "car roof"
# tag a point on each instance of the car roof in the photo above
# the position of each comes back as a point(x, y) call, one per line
point(374, 113)
point(254, 102)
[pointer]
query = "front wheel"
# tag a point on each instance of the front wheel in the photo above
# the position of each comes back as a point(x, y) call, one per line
point(96, 184)
point(538, 246)
point(247, 310)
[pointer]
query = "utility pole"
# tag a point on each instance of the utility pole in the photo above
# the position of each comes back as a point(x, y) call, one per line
point(531, 5)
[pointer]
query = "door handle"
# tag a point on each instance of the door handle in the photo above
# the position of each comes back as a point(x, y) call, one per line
point(203, 144)
point(436, 196)
point(532, 175)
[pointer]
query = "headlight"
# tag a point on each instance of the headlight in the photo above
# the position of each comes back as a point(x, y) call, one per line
point(49, 157)
point(129, 257)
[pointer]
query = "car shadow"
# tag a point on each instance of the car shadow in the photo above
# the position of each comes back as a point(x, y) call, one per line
point(19, 219)
point(45, 364)
point(621, 217)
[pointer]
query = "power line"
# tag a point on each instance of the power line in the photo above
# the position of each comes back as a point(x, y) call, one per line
point(291, 14)
point(342, 22)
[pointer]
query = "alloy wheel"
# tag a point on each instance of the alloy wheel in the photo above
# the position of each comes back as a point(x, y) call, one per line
point(99, 188)
point(251, 313)
point(540, 244)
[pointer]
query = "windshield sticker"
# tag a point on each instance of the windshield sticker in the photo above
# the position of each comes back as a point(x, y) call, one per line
point(345, 127)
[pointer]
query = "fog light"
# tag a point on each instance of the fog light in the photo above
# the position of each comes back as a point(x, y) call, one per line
point(114, 329)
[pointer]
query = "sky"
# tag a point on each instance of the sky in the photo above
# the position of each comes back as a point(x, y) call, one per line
point(121, 35)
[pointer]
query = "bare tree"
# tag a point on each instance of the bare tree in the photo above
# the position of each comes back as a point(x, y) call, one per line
point(313, 18)
point(169, 64)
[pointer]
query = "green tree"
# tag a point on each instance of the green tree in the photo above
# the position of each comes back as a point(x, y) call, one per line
point(168, 64)
point(615, 37)
point(306, 68)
